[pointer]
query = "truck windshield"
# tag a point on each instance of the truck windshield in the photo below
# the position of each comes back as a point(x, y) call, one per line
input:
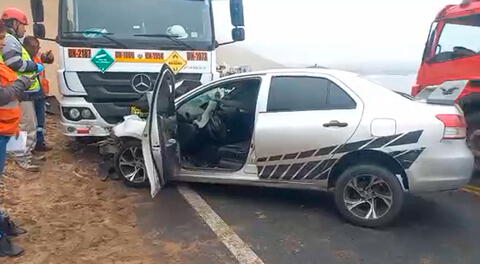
point(189, 21)
point(460, 38)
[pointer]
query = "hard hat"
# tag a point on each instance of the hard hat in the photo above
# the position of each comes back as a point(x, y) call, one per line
point(15, 13)
point(177, 31)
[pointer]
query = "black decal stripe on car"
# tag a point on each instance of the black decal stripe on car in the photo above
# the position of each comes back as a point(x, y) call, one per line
point(260, 169)
point(407, 159)
point(323, 175)
point(275, 158)
point(409, 138)
point(306, 154)
point(328, 166)
point(381, 141)
point(267, 171)
point(352, 146)
point(292, 171)
point(317, 170)
point(279, 171)
point(325, 151)
point(290, 156)
point(305, 170)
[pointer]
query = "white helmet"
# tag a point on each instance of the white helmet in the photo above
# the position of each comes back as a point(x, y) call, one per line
point(177, 31)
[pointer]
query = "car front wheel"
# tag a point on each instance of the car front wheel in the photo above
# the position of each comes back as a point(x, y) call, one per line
point(129, 164)
point(368, 195)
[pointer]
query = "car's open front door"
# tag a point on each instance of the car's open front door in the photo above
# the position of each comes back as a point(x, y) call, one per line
point(159, 143)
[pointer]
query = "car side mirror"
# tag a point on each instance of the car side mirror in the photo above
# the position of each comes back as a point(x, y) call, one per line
point(238, 34)
point(37, 11)
point(236, 13)
point(39, 31)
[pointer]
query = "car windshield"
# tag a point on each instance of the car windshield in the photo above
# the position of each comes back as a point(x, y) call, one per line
point(189, 21)
point(460, 38)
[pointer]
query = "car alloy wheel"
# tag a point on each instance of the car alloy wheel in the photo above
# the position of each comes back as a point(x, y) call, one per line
point(130, 165)
point(368, 197)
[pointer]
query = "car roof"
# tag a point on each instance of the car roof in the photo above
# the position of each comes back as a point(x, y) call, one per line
point(308, 71)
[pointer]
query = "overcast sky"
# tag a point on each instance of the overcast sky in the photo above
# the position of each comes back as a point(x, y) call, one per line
point(335, 32)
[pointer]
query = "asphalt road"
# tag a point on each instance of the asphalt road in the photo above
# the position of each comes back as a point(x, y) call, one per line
point(291, 226)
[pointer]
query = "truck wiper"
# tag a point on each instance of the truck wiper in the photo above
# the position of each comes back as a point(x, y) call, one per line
point(102, 34)
point(170, 37)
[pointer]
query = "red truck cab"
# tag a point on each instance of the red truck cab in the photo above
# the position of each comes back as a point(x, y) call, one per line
point(452, 52)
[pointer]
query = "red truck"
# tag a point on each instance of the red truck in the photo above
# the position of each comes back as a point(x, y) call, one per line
point(452, 52)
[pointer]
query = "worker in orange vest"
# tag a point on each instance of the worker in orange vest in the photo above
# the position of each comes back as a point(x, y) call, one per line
point(32, 45)
point(12, 87)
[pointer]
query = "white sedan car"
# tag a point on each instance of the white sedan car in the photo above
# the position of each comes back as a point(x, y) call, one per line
point(320, 129)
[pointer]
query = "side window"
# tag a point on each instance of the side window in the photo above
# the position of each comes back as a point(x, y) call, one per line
point(306, 94)
point(338, 98)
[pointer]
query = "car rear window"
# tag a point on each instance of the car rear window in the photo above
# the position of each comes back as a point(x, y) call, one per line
point(306, 94)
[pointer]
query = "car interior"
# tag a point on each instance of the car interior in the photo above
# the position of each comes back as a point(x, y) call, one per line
point(215, 127)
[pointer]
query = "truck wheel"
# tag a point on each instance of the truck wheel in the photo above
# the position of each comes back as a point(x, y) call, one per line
point(129, 164)
point(368, 195)
point(473, 136)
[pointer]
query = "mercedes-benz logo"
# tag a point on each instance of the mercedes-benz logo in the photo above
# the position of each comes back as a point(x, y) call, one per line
point(141, 83)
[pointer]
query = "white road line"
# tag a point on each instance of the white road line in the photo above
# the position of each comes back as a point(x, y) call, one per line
point(242, 252)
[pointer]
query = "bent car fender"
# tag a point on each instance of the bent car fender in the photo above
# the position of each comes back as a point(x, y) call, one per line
point(132, 126)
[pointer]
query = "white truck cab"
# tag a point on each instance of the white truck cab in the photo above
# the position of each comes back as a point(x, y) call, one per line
point(112, 50)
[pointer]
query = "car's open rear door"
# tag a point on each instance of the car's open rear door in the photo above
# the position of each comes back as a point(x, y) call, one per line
point(159, 142)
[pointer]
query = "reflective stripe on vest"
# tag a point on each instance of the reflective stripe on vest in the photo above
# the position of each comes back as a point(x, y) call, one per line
point(26, 57)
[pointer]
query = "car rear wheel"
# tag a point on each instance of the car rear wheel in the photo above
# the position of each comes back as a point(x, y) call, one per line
point(130, 165)
point(368, 195)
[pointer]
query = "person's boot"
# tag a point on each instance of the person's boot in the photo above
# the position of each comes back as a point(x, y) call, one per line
point(7, 248)
point(9, 228)
point(28, 165)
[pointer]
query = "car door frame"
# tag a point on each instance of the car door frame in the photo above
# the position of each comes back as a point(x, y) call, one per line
point(248, 173)
point(264, 95)
point(157, 146)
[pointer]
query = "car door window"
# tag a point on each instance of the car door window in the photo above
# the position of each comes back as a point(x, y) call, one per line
point(338, 98)
point(295, 93)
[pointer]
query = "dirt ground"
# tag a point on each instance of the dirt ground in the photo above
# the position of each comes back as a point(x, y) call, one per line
point(71, 214)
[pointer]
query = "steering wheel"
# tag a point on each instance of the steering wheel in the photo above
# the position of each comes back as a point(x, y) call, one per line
point(216, 128)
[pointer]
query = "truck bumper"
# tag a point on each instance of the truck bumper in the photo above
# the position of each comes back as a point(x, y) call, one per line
point(95, 127)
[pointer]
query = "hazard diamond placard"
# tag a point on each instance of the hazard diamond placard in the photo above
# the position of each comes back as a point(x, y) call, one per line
point(176, 62)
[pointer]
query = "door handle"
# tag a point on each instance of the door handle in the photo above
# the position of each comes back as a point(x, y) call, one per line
point(335, 123)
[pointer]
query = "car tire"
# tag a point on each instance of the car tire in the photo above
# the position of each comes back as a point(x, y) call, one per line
point(129, 159)
point(386, 188)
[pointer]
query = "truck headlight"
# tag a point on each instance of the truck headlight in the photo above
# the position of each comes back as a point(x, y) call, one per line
point(74, 113)
point(86, 113)
point(77, 113)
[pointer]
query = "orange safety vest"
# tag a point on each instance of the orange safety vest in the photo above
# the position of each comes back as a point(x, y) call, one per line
point(10, 114)
point(43, 77)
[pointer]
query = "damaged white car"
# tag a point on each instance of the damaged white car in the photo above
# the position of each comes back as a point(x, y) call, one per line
point(320, 129)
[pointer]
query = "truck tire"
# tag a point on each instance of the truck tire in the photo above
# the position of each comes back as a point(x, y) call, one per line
point(129, 164)
point(473, 132)
point(368, 195)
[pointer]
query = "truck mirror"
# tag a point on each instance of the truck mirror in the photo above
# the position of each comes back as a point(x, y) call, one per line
point(238, 34)
point(37, 11)
point(236, 13)
point(39, 31)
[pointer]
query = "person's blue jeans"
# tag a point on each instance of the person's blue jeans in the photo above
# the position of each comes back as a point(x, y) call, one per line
point(40, 110)
point(3, 152)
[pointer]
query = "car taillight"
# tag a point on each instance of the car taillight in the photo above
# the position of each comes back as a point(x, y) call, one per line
point(455, 126)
